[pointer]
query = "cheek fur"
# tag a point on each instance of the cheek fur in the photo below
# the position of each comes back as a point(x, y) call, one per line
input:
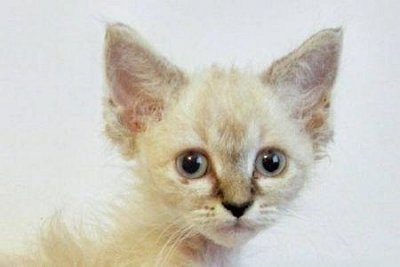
point(208, 214)
point(266, 213)
point(279, 190)
point(203, 217)
point(202, 187)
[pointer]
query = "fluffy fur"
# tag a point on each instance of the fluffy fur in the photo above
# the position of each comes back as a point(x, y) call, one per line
point(154, 112)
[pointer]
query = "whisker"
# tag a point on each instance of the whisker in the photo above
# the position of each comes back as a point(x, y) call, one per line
point(173, 240)
point(185, 233)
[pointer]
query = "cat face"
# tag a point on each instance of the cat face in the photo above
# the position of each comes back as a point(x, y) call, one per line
point(206, 155)
point(224, 151)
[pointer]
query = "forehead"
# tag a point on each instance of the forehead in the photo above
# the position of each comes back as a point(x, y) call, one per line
point(227, 110)
point(229, 96)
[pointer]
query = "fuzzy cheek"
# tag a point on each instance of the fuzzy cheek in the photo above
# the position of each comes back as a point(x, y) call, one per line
point(275, 191)
point(291, 179)
point(259, 213)
point(200, 187)
point(210, 214)
point(271, 184)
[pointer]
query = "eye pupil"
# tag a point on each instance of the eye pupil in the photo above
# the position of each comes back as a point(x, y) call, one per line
point(271, 162)
point(191, 163)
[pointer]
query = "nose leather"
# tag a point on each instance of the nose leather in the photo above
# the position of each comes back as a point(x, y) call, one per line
point(237, 210)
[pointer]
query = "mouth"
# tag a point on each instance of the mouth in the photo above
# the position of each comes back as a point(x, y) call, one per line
point(237, 227)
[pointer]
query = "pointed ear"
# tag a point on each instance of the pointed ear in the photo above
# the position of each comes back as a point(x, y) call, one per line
point(303, 80)
point(139, 81)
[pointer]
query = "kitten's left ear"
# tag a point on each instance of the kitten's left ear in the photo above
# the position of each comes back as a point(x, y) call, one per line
point(304, 78)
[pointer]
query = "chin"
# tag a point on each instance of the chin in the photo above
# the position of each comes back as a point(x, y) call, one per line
point(231, 235)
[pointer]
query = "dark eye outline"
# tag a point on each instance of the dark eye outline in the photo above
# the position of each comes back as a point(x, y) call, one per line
point(198, 174)
point(259, 168)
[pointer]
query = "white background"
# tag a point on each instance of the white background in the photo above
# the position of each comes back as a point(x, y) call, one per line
point(53, 156)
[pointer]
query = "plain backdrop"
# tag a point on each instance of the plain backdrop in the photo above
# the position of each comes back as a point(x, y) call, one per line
point(53, 156)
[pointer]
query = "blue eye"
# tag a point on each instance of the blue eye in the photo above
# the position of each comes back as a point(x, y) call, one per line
point(270, 162)
point(192, 164)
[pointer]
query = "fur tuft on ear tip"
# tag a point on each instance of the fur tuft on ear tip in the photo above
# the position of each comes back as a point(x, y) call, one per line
point(116, 27)
point(332, 37)
point(115, 32)
point(334, 33)
point(338, 31)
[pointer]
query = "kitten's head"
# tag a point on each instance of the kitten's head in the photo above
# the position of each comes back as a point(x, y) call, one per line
point(222, 150)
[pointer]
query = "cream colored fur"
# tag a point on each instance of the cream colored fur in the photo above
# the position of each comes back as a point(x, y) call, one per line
point(154, 111)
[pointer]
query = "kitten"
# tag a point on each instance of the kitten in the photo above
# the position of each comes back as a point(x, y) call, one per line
point(218, 154)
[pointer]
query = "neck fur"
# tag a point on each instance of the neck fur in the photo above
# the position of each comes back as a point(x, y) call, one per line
point(214, 255)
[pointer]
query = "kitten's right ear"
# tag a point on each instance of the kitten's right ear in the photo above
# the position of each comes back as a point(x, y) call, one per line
point(139, 83)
